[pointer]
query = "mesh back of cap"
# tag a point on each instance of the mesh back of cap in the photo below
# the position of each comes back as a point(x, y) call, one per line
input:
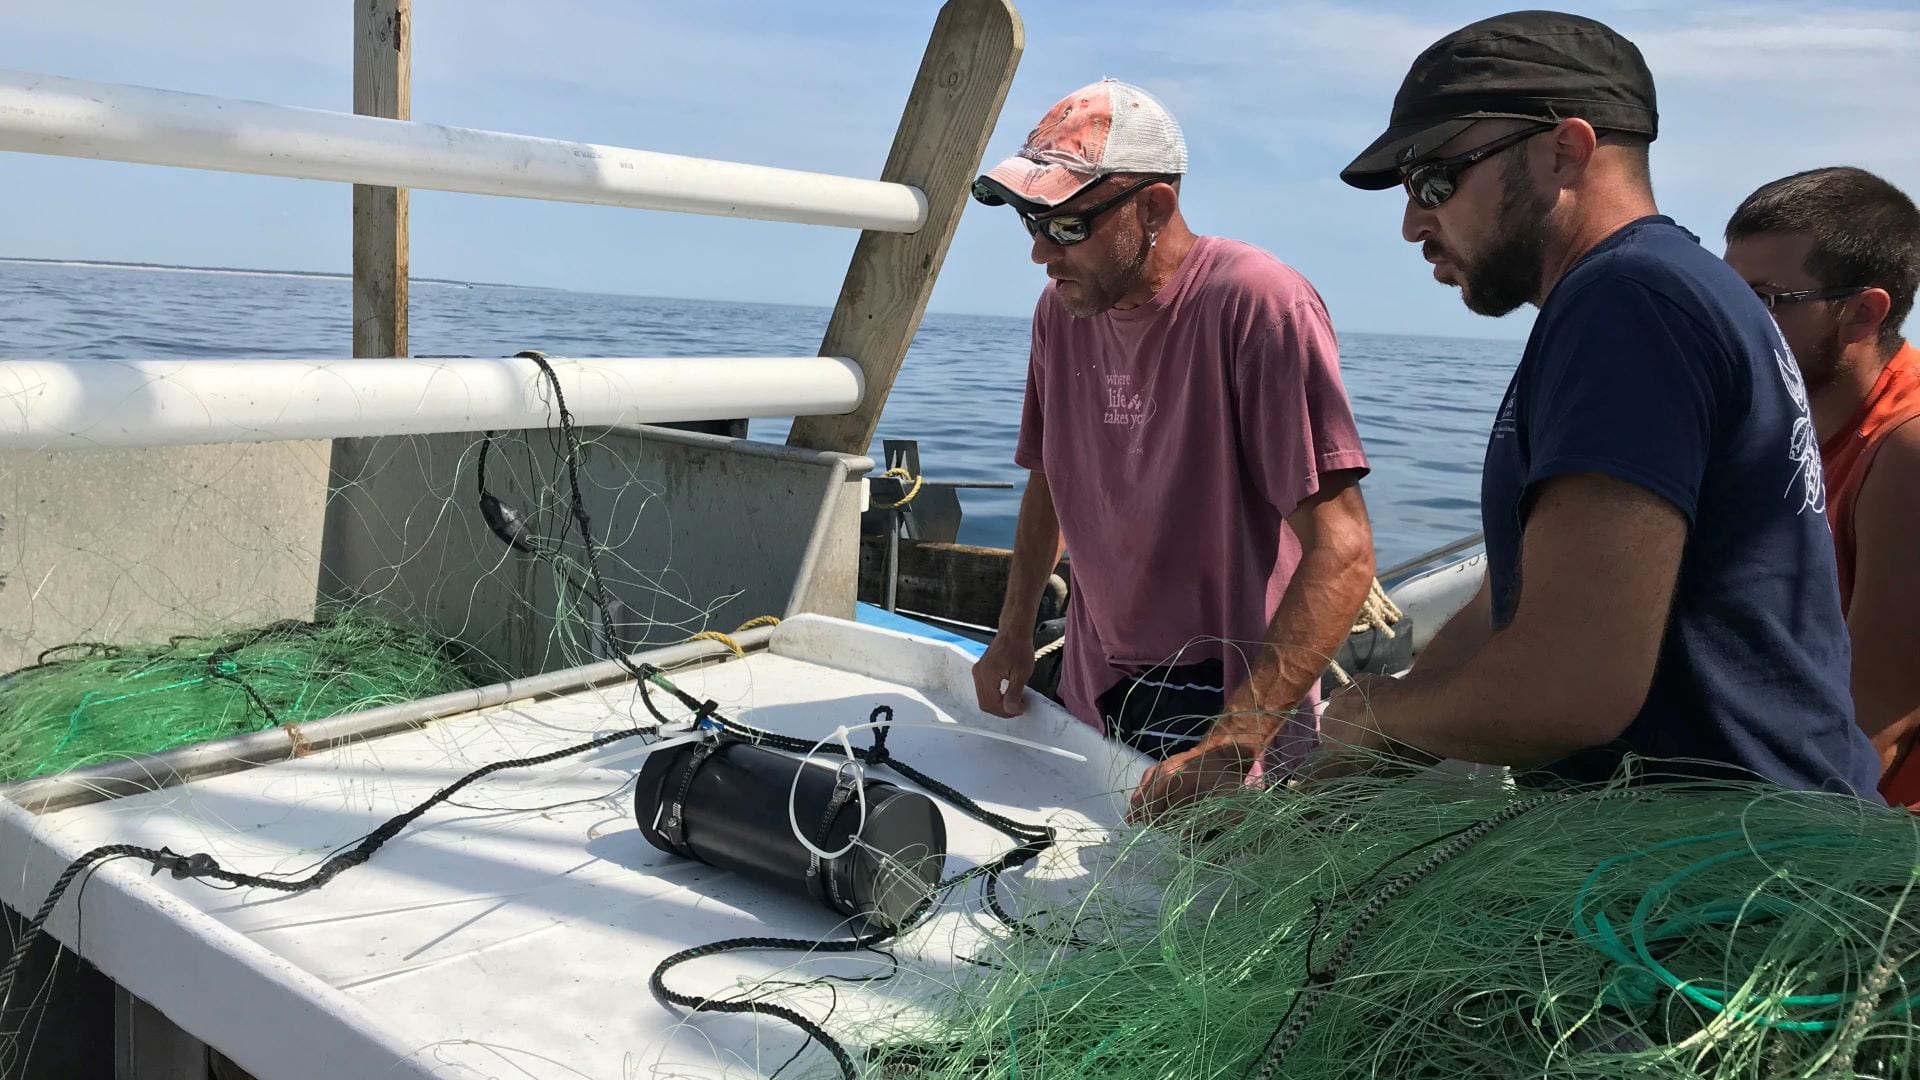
point(1144, 138)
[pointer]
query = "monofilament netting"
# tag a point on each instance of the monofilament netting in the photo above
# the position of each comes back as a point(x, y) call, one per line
point(1407, 929)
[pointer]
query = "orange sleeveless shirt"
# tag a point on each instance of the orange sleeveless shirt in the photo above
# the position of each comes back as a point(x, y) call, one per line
point(1846, 457)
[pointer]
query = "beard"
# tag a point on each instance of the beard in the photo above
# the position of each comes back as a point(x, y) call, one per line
point(1506, 273)
point(1823, 365)
point(1112, 281)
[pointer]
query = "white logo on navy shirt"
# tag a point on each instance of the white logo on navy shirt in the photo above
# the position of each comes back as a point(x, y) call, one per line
point(1503, 424)
point(1803, 446)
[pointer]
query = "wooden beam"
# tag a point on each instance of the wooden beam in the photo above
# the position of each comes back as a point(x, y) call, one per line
point(953, 581)
point(956, 99)
point(382, 86)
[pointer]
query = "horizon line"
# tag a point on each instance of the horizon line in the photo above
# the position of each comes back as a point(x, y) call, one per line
point(334, 275)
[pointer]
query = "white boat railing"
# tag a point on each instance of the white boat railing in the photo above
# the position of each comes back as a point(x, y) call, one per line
point(907, 221)
point(50, 114)
point(1401, 570)
point(95, 404)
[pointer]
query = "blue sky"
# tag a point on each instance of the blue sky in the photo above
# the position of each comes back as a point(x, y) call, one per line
point(1275, 97)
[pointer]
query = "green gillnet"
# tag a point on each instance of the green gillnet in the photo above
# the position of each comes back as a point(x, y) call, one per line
point(1369, 930)
point(92, 702)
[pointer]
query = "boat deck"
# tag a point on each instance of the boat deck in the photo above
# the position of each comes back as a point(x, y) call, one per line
point(514, 936)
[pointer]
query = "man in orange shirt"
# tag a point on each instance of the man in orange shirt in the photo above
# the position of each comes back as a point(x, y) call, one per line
point(1836, 254)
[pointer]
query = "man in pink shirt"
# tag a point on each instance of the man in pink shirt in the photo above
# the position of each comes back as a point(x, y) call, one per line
point(1189, 439)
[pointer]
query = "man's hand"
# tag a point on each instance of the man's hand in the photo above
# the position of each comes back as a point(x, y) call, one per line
point(1215, 765)
point(1000, 675)
point(1008, 663)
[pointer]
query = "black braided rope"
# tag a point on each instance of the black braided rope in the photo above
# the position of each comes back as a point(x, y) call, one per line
point(602, 599)
point(572, 458)
point(205, 866)
point(1307, 999)
point(1030, 842)
point(372, 842)
point(513, 531)
point(658, 984)
point(32, 929)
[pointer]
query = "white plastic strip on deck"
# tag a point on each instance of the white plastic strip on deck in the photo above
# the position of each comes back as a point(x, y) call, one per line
point(497, 942)
point(85, 404)
point(49, 114)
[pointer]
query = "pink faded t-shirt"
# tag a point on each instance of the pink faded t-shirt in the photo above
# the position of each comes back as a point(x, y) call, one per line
point(1176, 437)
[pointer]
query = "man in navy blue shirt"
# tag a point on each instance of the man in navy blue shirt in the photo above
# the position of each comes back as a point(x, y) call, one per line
point(1661, 578)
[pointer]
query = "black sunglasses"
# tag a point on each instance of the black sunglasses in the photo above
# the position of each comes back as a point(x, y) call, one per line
point(1073, 227)
point(1433, 182)
point(1774, 300)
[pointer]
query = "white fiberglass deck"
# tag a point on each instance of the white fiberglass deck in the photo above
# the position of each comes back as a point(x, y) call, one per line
point(495, 943)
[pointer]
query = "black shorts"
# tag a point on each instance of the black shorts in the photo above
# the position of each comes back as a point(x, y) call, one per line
point(1166, 709)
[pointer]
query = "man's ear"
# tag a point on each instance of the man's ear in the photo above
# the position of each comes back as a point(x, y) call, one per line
point(1158, 204)
point(1574, 142)
point(1863, 315)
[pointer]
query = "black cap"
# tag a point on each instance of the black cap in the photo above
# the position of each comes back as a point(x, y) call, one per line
point(1527, 65)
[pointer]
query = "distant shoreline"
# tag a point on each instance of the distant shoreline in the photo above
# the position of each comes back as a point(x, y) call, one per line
point(240, 271)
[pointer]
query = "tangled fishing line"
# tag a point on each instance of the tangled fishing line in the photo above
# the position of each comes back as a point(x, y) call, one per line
point(1406, 929)
point(91, 702)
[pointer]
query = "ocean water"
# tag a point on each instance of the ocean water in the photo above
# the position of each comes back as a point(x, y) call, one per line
point(1423, 404)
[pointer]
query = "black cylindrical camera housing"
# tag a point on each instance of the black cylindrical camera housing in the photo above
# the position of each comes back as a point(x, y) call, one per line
point(725, 804)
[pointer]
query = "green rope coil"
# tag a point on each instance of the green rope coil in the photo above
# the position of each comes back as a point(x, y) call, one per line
point(1637, 952)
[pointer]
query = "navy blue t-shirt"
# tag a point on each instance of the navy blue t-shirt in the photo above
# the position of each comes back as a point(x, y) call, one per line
point(1653, 362)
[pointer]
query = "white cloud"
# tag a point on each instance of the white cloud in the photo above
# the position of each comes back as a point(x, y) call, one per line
point(1828, 50)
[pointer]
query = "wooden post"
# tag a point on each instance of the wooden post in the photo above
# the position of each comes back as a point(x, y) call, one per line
point(382, 86)
point(956, 101)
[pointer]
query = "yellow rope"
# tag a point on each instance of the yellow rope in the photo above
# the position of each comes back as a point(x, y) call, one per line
point(903, 476)
point(724, 639)
point(1378, 612)
point(727, 639)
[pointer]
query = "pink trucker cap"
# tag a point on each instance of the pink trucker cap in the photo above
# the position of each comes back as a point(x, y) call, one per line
point(1096, 131)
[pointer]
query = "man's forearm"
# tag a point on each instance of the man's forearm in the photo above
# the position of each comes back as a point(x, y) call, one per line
point(1036, 550)
point(1314, 617)
point(1506, 705)
point(1461, 636)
